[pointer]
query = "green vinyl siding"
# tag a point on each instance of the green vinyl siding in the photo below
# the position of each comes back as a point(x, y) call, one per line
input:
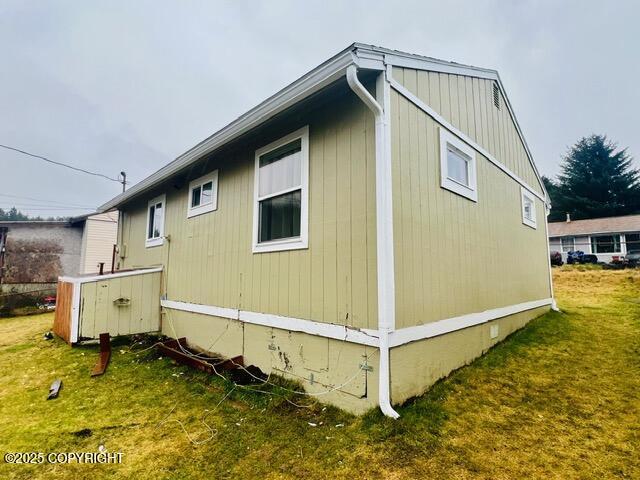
point(209, 260)
point(454, 256)
point(467, 103)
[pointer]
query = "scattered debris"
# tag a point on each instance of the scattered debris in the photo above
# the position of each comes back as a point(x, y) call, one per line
point(248, 375)
point(340, 425)
point(105, 355)
point(179, 351)
point(48, 335)
point(54, 389)
point(84, 433)
point(311, 424)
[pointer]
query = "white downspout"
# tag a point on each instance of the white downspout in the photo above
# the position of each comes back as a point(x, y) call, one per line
point(384, 226)
point(547, 211)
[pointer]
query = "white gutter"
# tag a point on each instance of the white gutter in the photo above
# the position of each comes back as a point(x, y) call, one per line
point(384, 226)
point(314, 81)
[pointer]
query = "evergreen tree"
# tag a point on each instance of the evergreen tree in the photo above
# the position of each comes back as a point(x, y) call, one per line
point(596, 180)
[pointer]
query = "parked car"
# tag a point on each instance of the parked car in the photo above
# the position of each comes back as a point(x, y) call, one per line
point(633, 258)
point(48, 303)
point(579, 256)
point(556, 259)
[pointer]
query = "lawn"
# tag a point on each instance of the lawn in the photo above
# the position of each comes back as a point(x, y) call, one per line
point(558, 399)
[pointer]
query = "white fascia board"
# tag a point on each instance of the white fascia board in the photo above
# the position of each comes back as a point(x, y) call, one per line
point(441, 327)
point(402, 90)
point(108, 276)
point(312, 82)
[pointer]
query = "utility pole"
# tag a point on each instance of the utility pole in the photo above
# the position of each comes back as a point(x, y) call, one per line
point(124, 181)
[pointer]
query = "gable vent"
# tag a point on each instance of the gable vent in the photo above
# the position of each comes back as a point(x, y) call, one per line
point(496, 95)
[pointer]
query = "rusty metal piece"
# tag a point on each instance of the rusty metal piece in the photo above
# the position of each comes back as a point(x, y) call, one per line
point(175, 349)
point(105, 355)
point(54, 389)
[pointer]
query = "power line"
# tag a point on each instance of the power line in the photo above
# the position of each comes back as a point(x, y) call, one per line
point(36, 207)
point(41, 204)
point(48, 202)
point(61, 164)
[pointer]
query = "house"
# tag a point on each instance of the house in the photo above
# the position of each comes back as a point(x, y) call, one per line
point(606, 238)
point(366, 230)
point(34, 253)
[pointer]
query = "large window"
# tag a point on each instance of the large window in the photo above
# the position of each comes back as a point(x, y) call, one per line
point(457, 166)
point(605, 244)
point(528, 208)
point(568, 244)
point(633, 242)
point(155, 222)
point(203, 195)
point(281, 197)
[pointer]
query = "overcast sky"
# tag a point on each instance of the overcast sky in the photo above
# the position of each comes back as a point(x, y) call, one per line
point(112, 86)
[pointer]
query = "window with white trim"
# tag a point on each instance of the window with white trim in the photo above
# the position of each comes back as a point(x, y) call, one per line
point(528, 208)
point(203, 195)
point(606, 244)
point(281, 196)
point(457, 166)
point(568, 244)
point(155, 221)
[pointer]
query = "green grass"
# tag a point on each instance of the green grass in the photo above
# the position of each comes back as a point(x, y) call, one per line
point(558, 399)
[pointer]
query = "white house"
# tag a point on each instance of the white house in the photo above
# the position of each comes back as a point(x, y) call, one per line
point(605, 237)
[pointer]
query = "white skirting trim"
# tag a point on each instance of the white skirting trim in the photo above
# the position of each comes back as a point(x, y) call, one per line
point(434, 329)
point(329, 330)
point(354, 335)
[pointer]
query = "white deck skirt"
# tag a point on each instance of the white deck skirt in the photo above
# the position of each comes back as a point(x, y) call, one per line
point(353, 335)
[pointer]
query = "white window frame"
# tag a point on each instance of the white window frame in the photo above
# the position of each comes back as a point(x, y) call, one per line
point(294, 243)
point(619, 251)
point(527, 195)
point(157, 241)
point(207, 207)
point(469, 191)
point(573, 247)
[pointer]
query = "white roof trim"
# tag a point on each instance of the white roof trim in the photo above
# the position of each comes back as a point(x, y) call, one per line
point(364, 56)
point(315, 80)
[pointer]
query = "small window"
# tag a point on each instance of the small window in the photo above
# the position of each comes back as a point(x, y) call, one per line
point(528, 208)
point(280, 210)
point(155, 222)
point(605, 244)
point(568, 244)
point(203, 195)
point(457, 166)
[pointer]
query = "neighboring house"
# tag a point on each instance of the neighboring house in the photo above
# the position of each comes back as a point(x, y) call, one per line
point(365, 231)
point(605, 237)
point(98, 239)
point(33, 254)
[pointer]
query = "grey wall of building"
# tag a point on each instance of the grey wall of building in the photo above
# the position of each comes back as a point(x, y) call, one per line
point(40, 253)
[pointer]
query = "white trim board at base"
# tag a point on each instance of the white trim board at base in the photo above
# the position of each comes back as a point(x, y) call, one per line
point(441, 327)
point(328, 330)
point(354, 335)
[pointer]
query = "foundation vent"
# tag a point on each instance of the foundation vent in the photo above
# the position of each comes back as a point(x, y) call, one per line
point(494, 331)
